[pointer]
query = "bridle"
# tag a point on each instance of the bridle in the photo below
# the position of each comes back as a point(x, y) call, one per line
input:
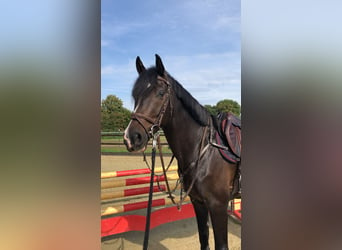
point(156, 122)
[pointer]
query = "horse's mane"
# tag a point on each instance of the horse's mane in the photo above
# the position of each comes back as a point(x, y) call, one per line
point(194, 108)
point(191, 105)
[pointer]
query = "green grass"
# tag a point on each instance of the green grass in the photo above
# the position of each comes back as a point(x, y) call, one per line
point(113, 150)
point(120, 139)
point(111, 137)
point(120, 149)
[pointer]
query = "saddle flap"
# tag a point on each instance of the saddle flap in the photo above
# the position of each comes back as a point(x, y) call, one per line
point(231, 128)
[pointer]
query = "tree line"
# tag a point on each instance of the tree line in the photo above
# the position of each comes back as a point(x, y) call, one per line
point(115, 117)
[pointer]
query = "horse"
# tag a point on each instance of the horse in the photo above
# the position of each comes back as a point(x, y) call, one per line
point(162, 102)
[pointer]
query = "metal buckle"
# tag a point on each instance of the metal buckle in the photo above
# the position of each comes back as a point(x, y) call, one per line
point(154, 135)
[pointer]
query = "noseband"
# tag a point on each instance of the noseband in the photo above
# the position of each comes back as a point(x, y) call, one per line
point(156, 122)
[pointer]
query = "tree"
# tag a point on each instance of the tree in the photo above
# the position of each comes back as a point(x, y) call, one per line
point(212, 109)
point(224, 106)
point(229, 106)
point(114, 117)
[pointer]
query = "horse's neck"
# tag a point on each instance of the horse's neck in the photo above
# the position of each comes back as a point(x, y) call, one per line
point(184, 137)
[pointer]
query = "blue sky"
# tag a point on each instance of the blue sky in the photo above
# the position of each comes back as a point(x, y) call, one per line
point(198, 41)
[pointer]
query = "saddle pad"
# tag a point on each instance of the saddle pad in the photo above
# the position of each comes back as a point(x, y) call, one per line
point(226, 154)
point(231, 128)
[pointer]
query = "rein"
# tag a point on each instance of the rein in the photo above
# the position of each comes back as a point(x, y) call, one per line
point(202, 150)
point(149, 204)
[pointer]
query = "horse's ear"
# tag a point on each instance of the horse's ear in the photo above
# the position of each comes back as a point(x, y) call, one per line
point(159, 66)
point(139, 65)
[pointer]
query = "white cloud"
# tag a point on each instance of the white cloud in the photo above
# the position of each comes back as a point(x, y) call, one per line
point(104, 42)
point(227, 23)
point(115, 29)
point(118, 69)
point(107, 70)
point(208, 77)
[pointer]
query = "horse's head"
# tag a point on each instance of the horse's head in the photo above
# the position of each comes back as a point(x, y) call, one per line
point(151, 93)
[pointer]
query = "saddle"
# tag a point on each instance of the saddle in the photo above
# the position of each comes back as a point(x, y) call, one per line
point(229, 136)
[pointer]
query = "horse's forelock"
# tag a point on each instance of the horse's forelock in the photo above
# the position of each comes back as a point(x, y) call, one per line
point(147, 77)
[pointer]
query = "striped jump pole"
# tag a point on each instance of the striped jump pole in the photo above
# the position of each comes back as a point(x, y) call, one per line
point(122, 173)
point(133, 192)
point(130, 192)
point(135, 181)
point(137, 206)
point(235, 208)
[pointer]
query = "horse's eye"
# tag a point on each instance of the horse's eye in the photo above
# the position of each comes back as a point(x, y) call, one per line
point(161, 92)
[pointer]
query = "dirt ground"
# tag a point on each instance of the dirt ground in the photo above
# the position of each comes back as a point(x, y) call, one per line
point(174, 235)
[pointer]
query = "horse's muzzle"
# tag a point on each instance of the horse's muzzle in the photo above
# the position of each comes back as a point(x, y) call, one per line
point(135, 142)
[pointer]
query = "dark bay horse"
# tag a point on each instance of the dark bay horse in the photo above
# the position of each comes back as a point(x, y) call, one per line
point(161, 102)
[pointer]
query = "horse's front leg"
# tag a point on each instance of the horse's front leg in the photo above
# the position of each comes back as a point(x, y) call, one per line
point(219, 220)
point(202, 223)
